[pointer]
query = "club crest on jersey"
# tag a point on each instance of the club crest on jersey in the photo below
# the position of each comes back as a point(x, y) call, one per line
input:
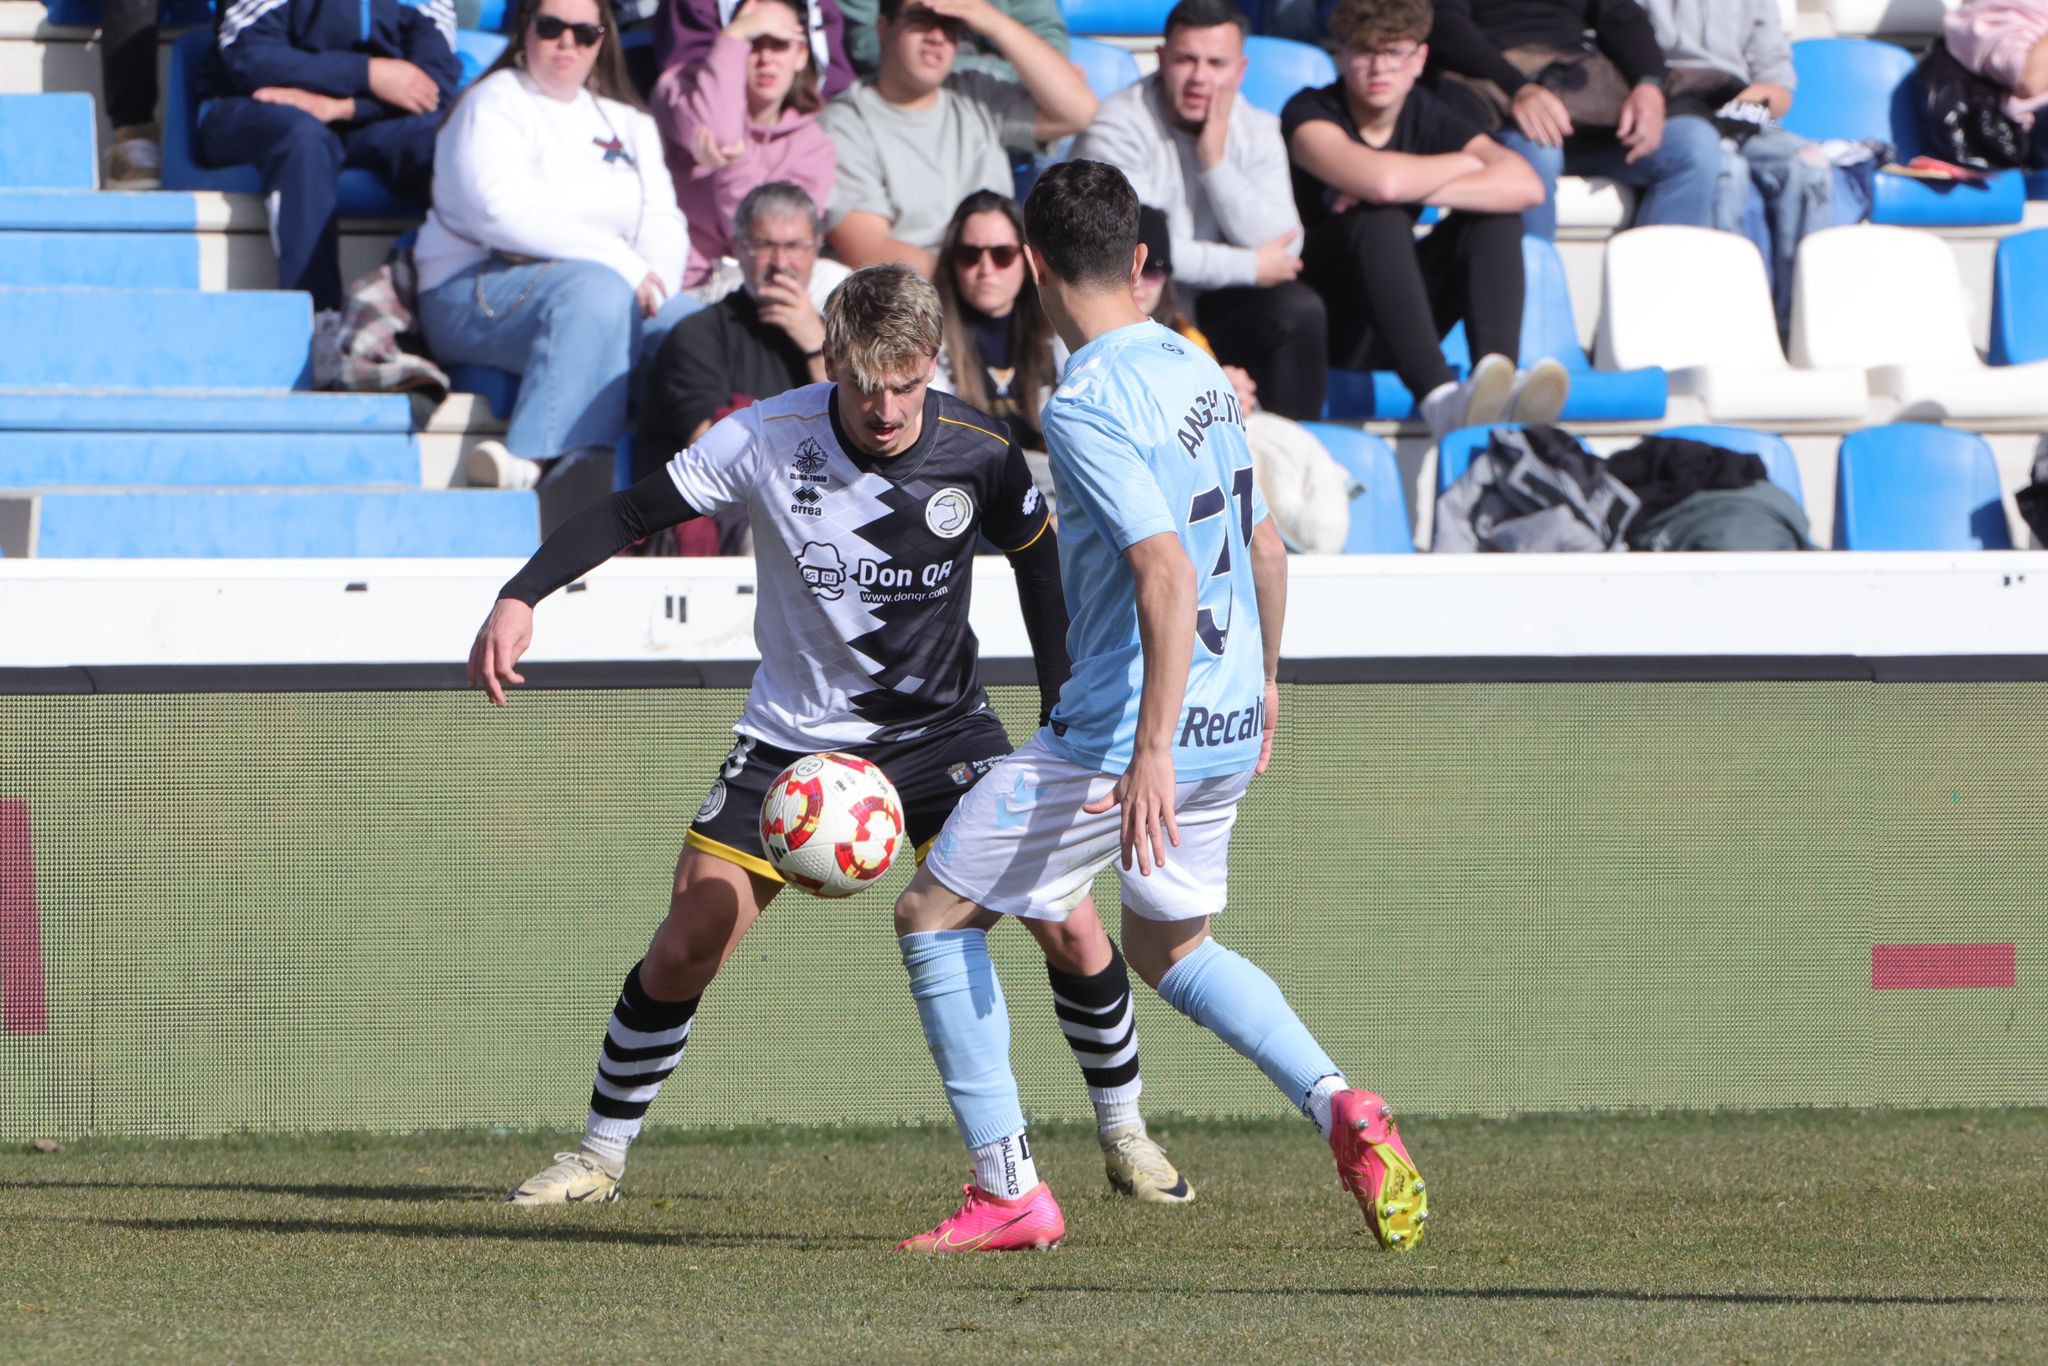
point(949, 512)
point(809, 457)
point(823, 570)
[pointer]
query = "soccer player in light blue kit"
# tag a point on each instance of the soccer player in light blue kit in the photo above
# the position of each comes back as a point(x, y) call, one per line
point(1176, 583)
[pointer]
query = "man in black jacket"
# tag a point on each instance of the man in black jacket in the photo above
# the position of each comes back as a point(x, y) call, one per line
point(761, 340)
point(1536, 61)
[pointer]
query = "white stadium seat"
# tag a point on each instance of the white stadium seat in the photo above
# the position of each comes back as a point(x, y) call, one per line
point(1893, 18)
point(1584, 203)
point(1696, 302)
point(1891, 301)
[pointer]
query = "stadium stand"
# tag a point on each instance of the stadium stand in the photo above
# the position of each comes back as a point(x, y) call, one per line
point(2019, 323)
point(1912, 338)
point(1696, 302)
point(1860, 90)
point(1277, 67)
point(1916, 487)
point(1774, 451)
point(1109, 68)
point(1379, 509)
point(1097, 18)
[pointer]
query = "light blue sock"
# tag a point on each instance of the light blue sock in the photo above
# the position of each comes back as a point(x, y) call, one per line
point(1226, 993)
point(968, 1028)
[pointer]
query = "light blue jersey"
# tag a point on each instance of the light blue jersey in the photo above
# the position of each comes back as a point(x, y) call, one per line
point(1146, 437)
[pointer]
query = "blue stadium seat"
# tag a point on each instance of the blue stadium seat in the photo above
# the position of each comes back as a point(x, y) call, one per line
point(2037, 184)
point(1857, 88)
point(1108, 67)
point(1281, 66)
point(362, 193)
point(1379, 510)
point(2019, 287)
point(477, 50)
point(155, 338)
point(1454, 454)
point(499, 388)
point(46, 143)
point(494, 15)
point(1918, 487)
point(237, 523)
point(1549, 329)
point(1134, 18)
point(1772, 449)
point(169, 13)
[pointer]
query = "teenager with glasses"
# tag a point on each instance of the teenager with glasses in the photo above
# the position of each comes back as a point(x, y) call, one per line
point(997, 354)
point(917, 137)
point(744, 116)
point(554, 248)
point(1370, 152)
point(1217, 167)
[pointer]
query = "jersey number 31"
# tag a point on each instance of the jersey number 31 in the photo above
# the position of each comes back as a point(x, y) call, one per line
point(1212, 503)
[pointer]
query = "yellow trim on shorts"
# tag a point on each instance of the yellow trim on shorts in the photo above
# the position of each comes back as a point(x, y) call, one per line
point(924, 850)
point(954, 421)
point(1037, 536)
point(753, 863)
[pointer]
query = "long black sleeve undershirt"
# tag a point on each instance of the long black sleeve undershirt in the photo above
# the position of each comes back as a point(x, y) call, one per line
point(597, 533)
point(1037, 567)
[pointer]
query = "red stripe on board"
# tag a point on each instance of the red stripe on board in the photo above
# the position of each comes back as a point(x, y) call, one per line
point(1908, 966)
point(21, 927)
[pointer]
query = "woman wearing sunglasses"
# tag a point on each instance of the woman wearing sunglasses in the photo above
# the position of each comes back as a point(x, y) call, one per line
point(997, 352)
point(554, 248)
point(747, 115)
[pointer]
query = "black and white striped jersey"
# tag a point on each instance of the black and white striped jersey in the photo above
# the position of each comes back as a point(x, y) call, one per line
point(865, 562)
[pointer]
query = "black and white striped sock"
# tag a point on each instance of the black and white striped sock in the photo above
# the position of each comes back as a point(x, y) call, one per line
point(1095, 1015)
point(642, 1045)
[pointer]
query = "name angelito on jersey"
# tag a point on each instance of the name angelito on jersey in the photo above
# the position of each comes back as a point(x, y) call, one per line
point(1209, 409)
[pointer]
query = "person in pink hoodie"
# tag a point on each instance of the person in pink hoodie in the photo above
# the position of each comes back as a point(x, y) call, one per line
point(745, 116)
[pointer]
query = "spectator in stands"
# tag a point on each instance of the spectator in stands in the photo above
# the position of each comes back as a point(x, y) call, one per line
point(128, 79)
point(977, 51)
point(997, 351)
point(747, 115)
point(760, 340)
point(1370, 151)
point(1155, 294)
point(1217, 166)
point(2005, 42)
point(1585, 109)
point(1731, 57)
point(918, 137)
point(303, 88)
point(554, 248)
point(686, 30)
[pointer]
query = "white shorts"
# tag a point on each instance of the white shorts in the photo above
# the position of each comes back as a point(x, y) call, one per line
point(1020, 844)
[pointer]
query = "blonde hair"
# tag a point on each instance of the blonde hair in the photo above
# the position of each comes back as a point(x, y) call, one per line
point(881, 321)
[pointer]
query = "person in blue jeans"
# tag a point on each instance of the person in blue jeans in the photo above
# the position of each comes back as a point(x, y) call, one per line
point(1518, 55)
point(302, 89)
point(554, 248)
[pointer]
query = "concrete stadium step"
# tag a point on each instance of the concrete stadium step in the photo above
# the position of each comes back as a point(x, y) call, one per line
point(48, 460)
point(155, 338)
point(47, 142)
point(106, 260)
point(268, 523)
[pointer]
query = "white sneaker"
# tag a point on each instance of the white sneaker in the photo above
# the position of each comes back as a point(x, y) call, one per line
point(488, 465)
point(573, 1179)
point(1539, 394)
point(1479, 402)
point(135, 161)
point(1139, 1168)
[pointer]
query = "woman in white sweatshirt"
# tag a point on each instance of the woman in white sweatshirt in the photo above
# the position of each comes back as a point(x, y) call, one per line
point(554, 248)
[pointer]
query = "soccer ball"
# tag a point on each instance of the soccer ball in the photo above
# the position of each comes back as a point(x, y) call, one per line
point(831, 823)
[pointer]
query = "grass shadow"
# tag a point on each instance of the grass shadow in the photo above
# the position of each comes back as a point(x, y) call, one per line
point(539, 1231)
point(1549, 1292)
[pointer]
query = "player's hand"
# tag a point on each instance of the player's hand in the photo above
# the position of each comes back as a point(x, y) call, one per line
point(1145, 791)
point(1215, 132)
point(1641, 128)
point(493, 660)
point(1541, 116)
point(1272, 724)
point(1278, 265)
point(326, 108)
point(398, 82)
point(762, 19)
point(978, 15)
point(706, 152)
point(651, 294)
point(782, 302)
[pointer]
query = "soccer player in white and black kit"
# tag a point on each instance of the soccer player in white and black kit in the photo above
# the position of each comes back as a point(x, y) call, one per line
point(867, 496)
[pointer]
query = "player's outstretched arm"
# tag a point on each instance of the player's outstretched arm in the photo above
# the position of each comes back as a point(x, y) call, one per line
point(1269, 584)
point(578, 546)
point(1165, 579)
point(1037, 567)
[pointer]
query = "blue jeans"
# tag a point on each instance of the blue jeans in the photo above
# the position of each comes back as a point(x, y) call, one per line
point(1677, 182)
point(570, 330)
point(1773, 196)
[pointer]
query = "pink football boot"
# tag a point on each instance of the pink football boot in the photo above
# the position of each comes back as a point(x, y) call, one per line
point(987, 1224)
point(1373, 1165)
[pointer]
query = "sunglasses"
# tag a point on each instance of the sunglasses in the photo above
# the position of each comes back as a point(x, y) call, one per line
point(547, 28)
point(967, 255)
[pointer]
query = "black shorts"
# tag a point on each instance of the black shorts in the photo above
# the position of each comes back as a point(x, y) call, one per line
point(931, 774)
